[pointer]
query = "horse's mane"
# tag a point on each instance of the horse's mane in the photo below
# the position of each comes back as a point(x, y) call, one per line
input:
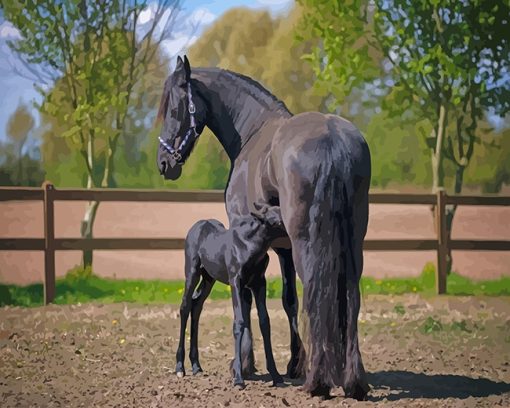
point(252, 87)
point(256, 90)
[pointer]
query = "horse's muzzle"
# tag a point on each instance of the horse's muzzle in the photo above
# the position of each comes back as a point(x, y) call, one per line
point(172, 172)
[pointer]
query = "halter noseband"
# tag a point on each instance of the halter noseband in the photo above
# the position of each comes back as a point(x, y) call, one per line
point(176, 153)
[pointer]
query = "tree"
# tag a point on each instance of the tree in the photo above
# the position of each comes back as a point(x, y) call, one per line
point(19, 126)
point(449, 62)
point(99, 51)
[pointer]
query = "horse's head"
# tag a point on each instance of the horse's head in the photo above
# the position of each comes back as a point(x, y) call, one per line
point(183, 115)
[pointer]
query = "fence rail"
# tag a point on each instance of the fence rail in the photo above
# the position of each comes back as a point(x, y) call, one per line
point(49, 244)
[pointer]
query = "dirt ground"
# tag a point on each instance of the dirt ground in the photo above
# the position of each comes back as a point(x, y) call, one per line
point(24, 219)
point(447, 352)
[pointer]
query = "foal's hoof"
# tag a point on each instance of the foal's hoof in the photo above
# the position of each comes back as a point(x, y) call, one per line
point(277, 379)
point(292, 372)
point(248, 370)
point(198, 372)
point(180, 374)
point(240, 385)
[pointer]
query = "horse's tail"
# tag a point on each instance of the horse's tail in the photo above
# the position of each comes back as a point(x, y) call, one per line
point(325, 291)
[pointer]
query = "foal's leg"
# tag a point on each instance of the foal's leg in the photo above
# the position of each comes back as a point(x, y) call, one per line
point(240, 325)
point(291, 306)
point(201, 294)
point(247, 357)
point(192, 267)
point(259, 291)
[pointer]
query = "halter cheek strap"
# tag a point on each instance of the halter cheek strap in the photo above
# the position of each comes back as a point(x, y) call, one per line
point(177, 153)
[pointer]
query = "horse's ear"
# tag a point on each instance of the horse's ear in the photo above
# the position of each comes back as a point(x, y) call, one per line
point(182, 71)
point(187, 68)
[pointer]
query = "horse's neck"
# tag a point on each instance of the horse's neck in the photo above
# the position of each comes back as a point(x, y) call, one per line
point(238, 110)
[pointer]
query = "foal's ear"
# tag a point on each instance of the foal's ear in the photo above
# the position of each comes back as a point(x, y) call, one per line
point(182, 71)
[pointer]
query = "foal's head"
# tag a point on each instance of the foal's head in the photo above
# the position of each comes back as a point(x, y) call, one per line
point(183, 114)
point(264, 223)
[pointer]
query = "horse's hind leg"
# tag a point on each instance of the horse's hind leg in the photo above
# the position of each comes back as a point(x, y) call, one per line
point(354, 382)
point(192, 278)
point(201, 294)
point(291, 306)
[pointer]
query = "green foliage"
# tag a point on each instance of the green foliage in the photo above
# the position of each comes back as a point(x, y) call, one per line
point(81, 285)
point(399, 309)
point(441, 56)
point(19, 168)
point(431, 325)
point(79, 274)
point(461, 326)
point(399, 155)
point(344, 59)
point(97, 63)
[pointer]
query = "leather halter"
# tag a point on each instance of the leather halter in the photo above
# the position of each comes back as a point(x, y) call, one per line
point(176, 154)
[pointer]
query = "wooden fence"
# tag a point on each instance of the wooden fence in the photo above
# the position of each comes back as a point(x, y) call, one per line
point(49, 244)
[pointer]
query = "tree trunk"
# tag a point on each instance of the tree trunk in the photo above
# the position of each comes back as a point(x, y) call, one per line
point(451, 210)
point(87, 223)
point(437, 152)
point(438, 171)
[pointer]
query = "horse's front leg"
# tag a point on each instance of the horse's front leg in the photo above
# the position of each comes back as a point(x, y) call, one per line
point(199, 298)
point(240, 325)
point(291, 306)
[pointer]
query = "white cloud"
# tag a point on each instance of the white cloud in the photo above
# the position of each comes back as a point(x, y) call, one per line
point(188, 29)
point(178, 44)
point(201, 16)
point(146, 15)
point(9, 32)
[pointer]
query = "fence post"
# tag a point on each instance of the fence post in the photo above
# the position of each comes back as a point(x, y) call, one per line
point(49, 246)
point(442, 244)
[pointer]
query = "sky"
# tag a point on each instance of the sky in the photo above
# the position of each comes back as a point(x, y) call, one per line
point(16, 89)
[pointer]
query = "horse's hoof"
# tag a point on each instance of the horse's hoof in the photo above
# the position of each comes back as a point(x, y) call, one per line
point(198, 372)
point(320, 390)
point(357, 391)
point(180, 374)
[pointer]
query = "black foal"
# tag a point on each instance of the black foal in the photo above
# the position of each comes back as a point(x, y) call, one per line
point(210, 250)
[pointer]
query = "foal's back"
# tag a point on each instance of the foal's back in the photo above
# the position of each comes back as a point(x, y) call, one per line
point(206, 243)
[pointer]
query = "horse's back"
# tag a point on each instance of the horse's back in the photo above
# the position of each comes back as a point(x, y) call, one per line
point(311, 140)
point(314, 151)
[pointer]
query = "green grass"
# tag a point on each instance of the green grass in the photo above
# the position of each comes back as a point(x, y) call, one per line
point(82, 286)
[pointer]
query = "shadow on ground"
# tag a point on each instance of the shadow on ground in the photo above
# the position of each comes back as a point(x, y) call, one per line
point(405, 384)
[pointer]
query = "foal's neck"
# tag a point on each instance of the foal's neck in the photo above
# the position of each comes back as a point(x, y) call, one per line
point(238, 106)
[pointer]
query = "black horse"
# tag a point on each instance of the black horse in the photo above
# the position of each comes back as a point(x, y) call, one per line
point(316, 167)
point(209, 251)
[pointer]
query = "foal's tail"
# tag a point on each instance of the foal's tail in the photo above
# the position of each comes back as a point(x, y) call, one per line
point(325, 291)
